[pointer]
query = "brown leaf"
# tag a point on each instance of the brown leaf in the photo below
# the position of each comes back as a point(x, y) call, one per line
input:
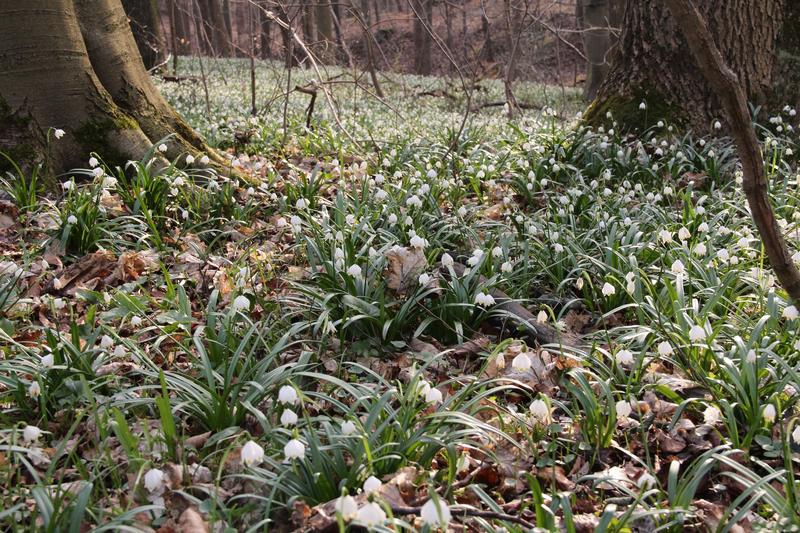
point(197, 441)
point(555, 474)
point(88, 273)
point(405, 266)
point(191, 521)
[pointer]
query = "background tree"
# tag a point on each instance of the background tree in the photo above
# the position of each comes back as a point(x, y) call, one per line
point(145, 21)
point(598, 21)
point(90, 81)
point(423, 18)
point(652, 65)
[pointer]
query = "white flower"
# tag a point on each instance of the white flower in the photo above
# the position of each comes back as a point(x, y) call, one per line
point(642, 106)
point(93, 162)
point(665, 236)
point(136, 321)
point(189, 159)
point(68, 185)
point(447, 260)
point(790, 313)
point(72, 219)
point(424, 279)
point(252, 454)
point(769, 413)
point(301, 203)
point(624, 357)
point(204, 160)
point(684, 234)
point(497, 252)
point(699, 249)
point(31, 434)
point(155, 480)
point(579, 283)
point(372, 485)
point(540, 411)
point(712, 415)
point(371, 514)
point(47, 360)
point(294, 449)
point(120, 351)
point(241, 303)
point(664, 348)
point(608, 289)
point(717, 125)
point(34, 390)
point(646, 481)
point(796, 435)
point(414, 201)
point(288, 417)
point(677, 267)
point(162, 148)
point(462, 211)
point(751, 356)
point(506, 267)
point(287, 395)
point(433, 396)
point(354, 270)
point(435, 513)
point(58, 133)
point(348, 427)
point(484, 300)
point(697, 333)
point(106, 342)
point(347, 507)
point(541, 318)
point(500, 361)
point(418, 242)
point(521, 363)
point(623, 409)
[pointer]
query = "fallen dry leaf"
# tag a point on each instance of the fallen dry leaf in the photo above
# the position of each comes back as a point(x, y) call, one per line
point(405, 266)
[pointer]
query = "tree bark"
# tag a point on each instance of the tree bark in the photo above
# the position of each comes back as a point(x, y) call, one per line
point(651, 64)
point(47, 81)
point(116, 62)
point(724, 82)
point(74, 65)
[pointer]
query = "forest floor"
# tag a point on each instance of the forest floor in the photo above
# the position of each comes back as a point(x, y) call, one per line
point(387, 320)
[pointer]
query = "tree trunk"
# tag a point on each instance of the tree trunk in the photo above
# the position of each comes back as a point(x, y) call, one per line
point(41, 47)
point(92, 84)
point(597, 20)
point(325, 38)
point(265, 35)
point(423, 15)
point(214, 23)
point(117, 65)
point(145, 21)
point(652, 65)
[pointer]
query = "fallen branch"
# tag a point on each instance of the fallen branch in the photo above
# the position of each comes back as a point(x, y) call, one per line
point(467, 511)
point(520, 105)
point(726, 86)
point(310, 90)
point(519, 316)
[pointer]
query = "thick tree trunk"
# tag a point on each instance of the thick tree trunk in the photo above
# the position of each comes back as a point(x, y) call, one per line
point(115, 60)
point(47, 81)
point(74, 65)
point(145, 21)
point(651, 64)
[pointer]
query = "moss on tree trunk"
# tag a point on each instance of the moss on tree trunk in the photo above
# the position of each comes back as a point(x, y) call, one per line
point(653, 63)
